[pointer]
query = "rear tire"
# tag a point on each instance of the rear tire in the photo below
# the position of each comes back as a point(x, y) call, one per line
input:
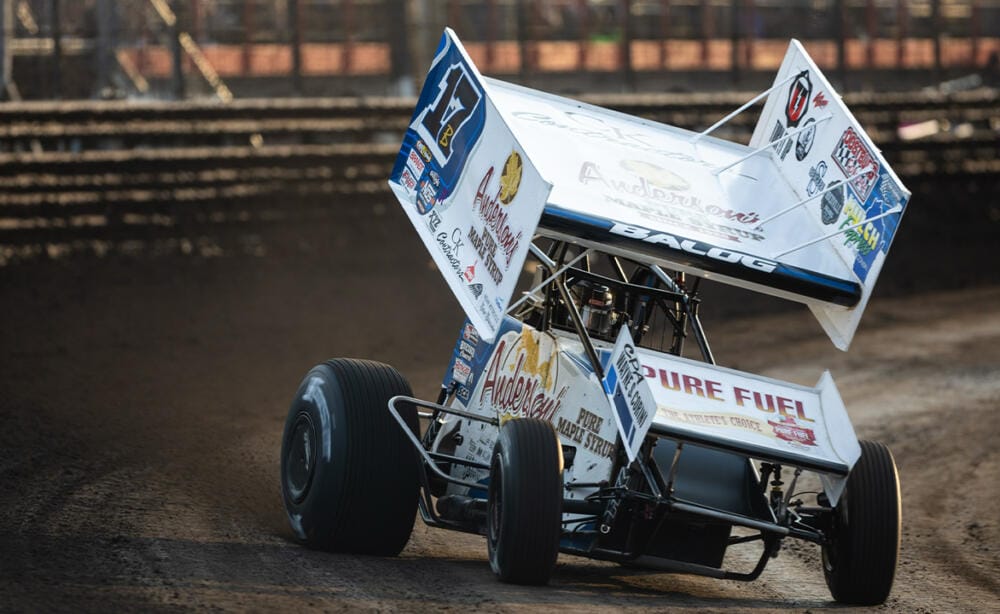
point(348, 472)
point(860, 563)
point(524, 512)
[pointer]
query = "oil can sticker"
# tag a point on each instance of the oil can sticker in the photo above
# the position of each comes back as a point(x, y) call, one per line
point(832, 203)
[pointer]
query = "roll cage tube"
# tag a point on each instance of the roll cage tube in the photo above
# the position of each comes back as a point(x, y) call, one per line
point(638, 297)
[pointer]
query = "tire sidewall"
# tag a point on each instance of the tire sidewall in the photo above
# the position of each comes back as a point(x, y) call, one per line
point(496, 531)
point(860, 564)
point(319, 397)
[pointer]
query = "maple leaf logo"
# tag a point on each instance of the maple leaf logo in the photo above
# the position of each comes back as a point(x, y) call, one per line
point(510, 179)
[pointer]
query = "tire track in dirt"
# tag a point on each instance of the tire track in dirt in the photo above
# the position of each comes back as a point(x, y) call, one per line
point(143, 405)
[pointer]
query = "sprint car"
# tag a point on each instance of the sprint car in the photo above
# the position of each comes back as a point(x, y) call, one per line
point(589, 415)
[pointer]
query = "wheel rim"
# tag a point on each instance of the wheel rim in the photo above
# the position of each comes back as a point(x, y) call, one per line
point(300, 458)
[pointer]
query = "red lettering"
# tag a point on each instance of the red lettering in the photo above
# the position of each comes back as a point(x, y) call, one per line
point(674, 381)
point(802, 412)
point(518, 394)
point(692, 385)
point(495, 217)
point(714, 390)
point(742, 394)
point(759, 401)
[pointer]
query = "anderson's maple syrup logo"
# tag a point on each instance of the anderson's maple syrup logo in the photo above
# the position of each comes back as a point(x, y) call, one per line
point(510, 178)
point(521, 378)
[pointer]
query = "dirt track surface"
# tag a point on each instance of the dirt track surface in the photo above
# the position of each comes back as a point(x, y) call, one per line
point(142, 401)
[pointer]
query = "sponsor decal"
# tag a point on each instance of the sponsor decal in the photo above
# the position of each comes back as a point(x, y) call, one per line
point(451, 247)
point(408, 181)
point(510, 178)
point(440, 124)
point(655, 190)
point(518, 383)
point(832, 204)
point(423, 207)
point(492, 212)
point(476, 290)
point(461, 372)
point(486, 247)
point(782, 148)
point(655, 175)
point(462, 392)
point(586, 431)
point(596, 128)
point(469, 333)
point(427, 191)
point(722, 420)
point(797, 104)
point(470, 272)
point(697, 248)
point(415, 164)
point(852, 155)
point(786, 412)
point(804, 141)
point(864, 239)
point(631, 400)
point(689, 221)
point(788, 430)
point(466, 350)
point(433, 221)
point(771, 403)
point(426, 197)
point(891, 194)
point(820, 101)
point(684, 383)
point(425, 153)
point(816, 175)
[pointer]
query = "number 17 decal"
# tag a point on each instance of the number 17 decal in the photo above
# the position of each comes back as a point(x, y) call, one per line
point(441, 122)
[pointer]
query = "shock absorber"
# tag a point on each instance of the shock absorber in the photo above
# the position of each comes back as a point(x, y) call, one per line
point(777, 495)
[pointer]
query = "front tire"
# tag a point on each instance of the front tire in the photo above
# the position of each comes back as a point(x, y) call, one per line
point(860, 562)
point(524, 511)
point(348, 472)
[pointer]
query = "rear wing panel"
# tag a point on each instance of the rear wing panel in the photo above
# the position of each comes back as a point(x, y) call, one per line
point(806, 212)
point(832, 162)
point(468, 187)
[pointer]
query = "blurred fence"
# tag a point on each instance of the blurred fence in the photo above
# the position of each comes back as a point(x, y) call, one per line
point(183, 48)
point(96, 175)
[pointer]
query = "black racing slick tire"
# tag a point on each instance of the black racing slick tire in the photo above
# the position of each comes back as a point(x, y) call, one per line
point(524, 510)
point(859, 562)
point(348, 473)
